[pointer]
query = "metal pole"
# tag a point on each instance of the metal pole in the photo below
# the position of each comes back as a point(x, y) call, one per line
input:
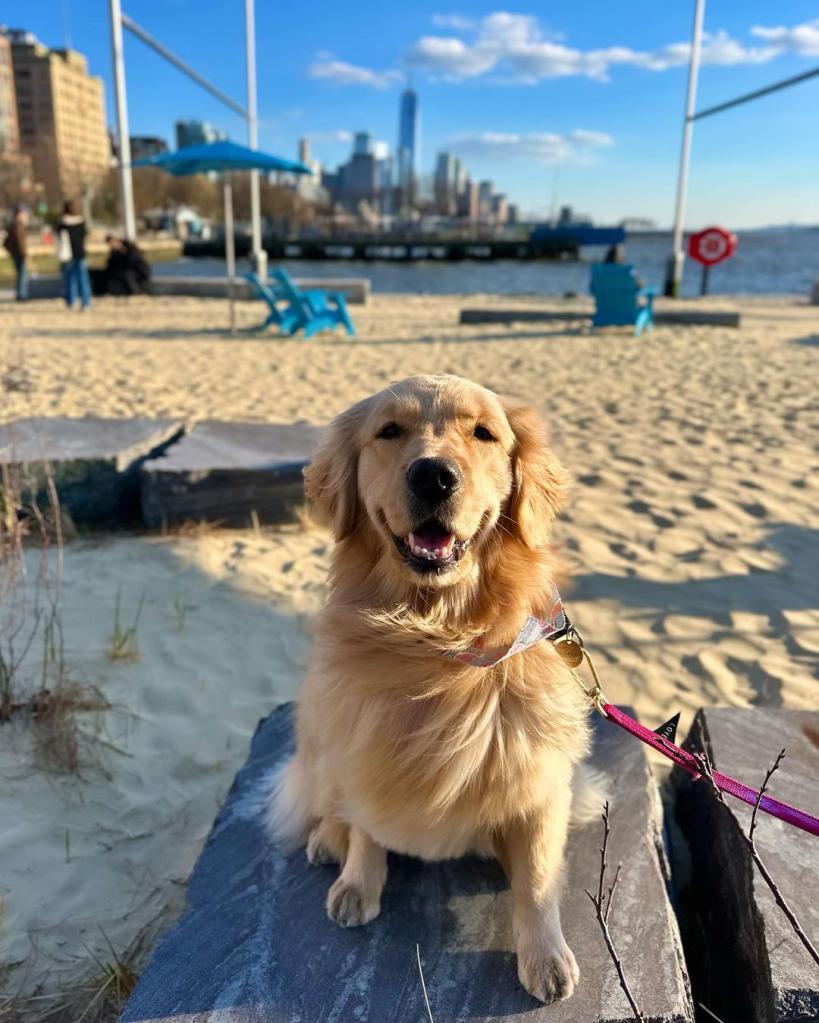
point(164, 52)
point(785, 83)
point(126, 186)
point(673, 279)
point(259, 255)
point(230, 251)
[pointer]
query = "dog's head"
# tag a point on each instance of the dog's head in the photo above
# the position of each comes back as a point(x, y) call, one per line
point(439, 467)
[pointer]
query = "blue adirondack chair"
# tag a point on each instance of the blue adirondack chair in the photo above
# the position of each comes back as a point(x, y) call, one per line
point(619, 299)
point(288, 317)
point(315, 305)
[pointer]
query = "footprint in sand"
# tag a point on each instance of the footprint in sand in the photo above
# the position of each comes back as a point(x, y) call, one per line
point(660, 521)
point(759, 511)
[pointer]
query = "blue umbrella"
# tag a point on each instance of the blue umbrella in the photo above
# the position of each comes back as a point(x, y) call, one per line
point(221, 156)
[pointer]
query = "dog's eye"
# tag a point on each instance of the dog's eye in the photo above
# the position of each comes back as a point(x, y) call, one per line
point(389, 432)
point(482, 433)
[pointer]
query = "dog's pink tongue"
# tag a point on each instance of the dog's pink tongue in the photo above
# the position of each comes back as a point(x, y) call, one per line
point(431, 541)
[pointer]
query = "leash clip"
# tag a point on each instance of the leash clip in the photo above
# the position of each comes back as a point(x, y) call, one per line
point(571, 648)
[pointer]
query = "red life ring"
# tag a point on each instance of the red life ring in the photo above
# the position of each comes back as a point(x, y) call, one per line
point(712, 245)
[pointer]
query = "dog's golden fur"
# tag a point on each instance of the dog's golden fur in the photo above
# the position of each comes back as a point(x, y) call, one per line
point(398, 747)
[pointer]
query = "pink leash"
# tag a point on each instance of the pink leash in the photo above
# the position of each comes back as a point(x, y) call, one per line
point(785, 812)
point(554, 625)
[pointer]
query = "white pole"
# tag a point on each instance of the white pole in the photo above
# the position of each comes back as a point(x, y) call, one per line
point(126, 187)
point(673, 280)
point(259, 256)
point(230, 251)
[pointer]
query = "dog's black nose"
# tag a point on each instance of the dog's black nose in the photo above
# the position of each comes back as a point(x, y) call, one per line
point(433, 479)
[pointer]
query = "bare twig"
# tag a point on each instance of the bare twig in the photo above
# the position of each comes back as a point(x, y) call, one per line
point(423, 982)
point(602, 905)
point(713, 1015)
point(707, 771)
point(612, 886)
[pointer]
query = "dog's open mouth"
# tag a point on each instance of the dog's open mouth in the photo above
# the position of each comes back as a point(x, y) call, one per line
point(431, 547)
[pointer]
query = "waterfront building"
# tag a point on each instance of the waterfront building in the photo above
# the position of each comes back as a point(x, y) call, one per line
point(445, 184)
point(143, 146)
point(15, 166)
point(9, 128)
point(60, 116)
point(409, 146)
point(362, 143)
point(192, 133)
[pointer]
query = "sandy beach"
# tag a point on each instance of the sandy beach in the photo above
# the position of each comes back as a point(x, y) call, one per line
point(693, 532)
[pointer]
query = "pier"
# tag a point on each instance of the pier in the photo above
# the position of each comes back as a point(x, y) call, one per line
point(397, 248)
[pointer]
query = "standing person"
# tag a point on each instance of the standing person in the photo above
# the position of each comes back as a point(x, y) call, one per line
point(71, 251)
point(16, 244)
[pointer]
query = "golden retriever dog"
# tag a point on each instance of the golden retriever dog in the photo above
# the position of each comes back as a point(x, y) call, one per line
point(440, 496)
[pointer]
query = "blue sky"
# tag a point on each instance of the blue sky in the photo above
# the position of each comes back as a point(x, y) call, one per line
point(579, 100)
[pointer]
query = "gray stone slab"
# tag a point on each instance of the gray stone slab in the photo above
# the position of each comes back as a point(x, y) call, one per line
point(521, 315)
point(697, 317)
point(225, 472)
point(683, 316)
point(95, 462)
point(255, 944)
point(746, 961)
point(356, 290)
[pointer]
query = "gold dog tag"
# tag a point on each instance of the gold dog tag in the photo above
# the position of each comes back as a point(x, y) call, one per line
point(571, 652)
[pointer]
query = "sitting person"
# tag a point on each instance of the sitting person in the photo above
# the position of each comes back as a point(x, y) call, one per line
point(127, 272)
point(617, 254)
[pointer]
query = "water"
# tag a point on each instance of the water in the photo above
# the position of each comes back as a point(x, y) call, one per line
point(766, 262)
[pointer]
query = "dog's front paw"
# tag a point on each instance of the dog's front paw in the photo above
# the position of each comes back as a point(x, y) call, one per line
point(548, 976)
point(319, 852)
point(350, 906)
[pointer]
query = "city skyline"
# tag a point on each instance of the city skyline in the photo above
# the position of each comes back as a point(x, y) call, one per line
point(579, 111)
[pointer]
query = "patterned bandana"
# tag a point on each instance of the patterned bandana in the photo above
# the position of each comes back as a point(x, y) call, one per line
point(552, 625)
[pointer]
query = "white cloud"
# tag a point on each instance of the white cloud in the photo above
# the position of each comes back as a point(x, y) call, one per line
point(576, 146)
point(342, 135)
point(341, 73)
point(802, 39)
point(515, 46)
point(454, 21)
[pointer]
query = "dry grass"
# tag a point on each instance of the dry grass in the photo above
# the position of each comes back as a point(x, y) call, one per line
point(41, 694)
point(124, 645)
point(63, 741)
point(193, 529)
point(30, 588)
point(98, 999)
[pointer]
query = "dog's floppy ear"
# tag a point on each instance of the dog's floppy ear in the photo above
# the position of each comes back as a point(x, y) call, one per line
point(540, 483)
point(331, 479)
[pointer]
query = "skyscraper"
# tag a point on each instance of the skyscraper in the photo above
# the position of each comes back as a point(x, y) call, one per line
point(191, 133)
point(409, 145)
point(362, 143)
